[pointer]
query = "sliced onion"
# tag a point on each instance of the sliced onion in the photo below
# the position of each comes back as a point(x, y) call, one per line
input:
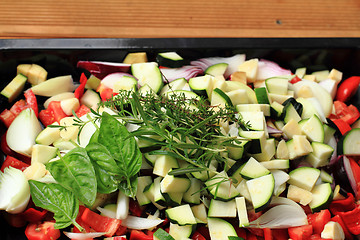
point(122, 206)
point(101, 69)
point(107, 212)
point(350, 174)
point(281, 216)
point(110, 79)
point(268, 69)
point(81, 236)
point(334, 157)
point(140, 223)
point(233, 63)
point(272, 130)
point(186, 72)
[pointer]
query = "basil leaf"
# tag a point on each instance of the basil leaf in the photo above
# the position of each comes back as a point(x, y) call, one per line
point(105, 167)
point(75, 172)
point(57, 199)
point(129, 187)
point(115, 137)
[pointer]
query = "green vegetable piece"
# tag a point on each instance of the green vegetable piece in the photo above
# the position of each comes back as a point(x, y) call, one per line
point(75, 172)
point(57, 199)
point(124, 149)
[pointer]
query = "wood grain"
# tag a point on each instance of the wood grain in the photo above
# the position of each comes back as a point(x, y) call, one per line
point(174, 18)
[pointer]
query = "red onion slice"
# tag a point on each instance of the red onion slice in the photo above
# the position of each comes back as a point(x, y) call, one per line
point(350, 173)
point(186, 72)
point(101, 69)
point(233, 63)
point(268, 69)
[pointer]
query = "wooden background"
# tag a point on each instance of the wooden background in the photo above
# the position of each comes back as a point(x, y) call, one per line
point(179, 18)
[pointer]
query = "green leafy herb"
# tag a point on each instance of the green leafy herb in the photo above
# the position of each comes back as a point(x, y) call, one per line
point(75, 172)
point(116, 138)
point(105, 167)
point(57, 199)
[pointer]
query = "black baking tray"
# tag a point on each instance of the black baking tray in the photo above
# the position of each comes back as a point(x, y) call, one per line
point(59, 57)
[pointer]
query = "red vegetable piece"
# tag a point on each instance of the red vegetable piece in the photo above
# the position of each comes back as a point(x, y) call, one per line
point(100, 223)
point(318, 220)
point(7, 117)
point(135, 208)
point(295, 80)
point(197, 236)
point(241, 232)
point(139, 235)
point(338, 219)
point(300, 233)
point(82, 111)
point(14, 220)
point(79, 91)
point(280, 234)
point(18, 107)
point(251, 236)
point(343, 126)
point(86, 227)
point(204, 231)
point(121, 231)
point(46, 117)
point(5, 148)
point(31, 101)
point(342, 205)
point(55, 108)
point(347, 88)
point(106, 94)
point(13, 162)
point(348, 114)
point(316, 237)
point(42, 231)
point(33, 215)
point(351, 220)
point(101, 69)
point(356, 172)
point(268, 234)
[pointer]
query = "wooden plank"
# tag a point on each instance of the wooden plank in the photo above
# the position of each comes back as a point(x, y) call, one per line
point(186, 18)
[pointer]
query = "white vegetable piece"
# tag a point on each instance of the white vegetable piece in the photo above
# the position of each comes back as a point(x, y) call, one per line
point(122, 209)
point(333, 230)
point(23, 131)
point(14, 190)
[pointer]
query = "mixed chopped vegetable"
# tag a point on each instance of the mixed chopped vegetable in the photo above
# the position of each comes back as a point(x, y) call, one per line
point(218, 148)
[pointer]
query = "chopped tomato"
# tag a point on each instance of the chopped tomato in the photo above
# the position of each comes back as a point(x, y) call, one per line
point(100, 223)
point(301, 232)
point(31, 101)
point(315, 237)
point(348, 114)
point(82, 111)
point(139, 235)
point(268, 234)
point(280, 234)
point(46, 117)
point(13, 162)
point(318, 220)
point(106, 94)
point(121, 231)
point(42, 231)
point(18, 107)
point(55, 108)
point(7, 117)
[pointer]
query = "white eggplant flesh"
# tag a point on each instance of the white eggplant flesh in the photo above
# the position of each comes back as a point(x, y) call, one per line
point(14, 190)
point(23, 131)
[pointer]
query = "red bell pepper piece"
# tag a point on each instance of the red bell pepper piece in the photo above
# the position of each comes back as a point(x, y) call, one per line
point(100, 223)
point(295, 80)
point(197, 236)
point(342, 205)
point(31, 101)
point(268, 234)
point(139, 235)
point(121, 231)
point(241, 232)
point(338, 219)
point(347, 88)
point(204, 231)
point(343, 126)
point(34, 215)
point(280, 234)
point(300, 233)
point(13, 162)
point(251, 236)
point(352, 220)
point(135, 208)
point(79, 91)
point(86, 227)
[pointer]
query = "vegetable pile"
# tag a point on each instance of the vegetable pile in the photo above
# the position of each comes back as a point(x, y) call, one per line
point(214, 148)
